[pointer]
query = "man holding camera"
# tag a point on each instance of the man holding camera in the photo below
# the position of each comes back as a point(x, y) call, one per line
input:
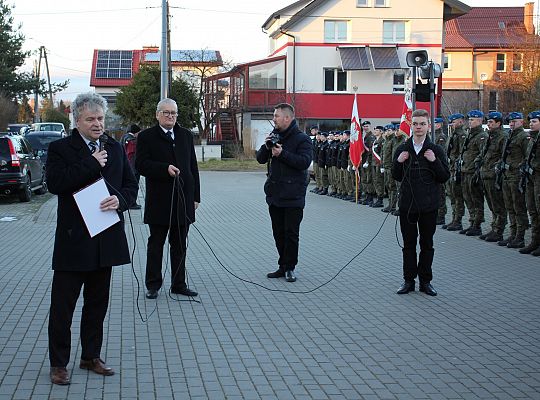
point(288, 152)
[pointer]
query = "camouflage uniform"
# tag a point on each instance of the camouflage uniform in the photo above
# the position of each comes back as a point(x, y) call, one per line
point(366, 171)
point(455, 144)
point(389, 183)
point(441, 138)
point(533, 193)
point(378, 177)
point(514, 201)
point(322, 160)
point(472, 191)
point(490, 156)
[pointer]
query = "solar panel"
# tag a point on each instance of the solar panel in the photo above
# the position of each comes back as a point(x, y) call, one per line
point(114, 64)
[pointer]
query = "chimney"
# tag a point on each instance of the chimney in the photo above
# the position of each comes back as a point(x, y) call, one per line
point(528, 13)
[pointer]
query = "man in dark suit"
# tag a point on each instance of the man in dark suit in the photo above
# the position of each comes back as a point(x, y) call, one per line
point(290, 154)
point(78, 259)
point(421, 166)
point(166, 158)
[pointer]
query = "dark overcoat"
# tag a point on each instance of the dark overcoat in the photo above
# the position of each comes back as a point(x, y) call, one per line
point(420, 179)
point(71, 167)
point(155, 152)
point(287, 180)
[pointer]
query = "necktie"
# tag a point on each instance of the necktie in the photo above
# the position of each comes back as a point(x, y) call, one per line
point(93, 147)
point(169, 135)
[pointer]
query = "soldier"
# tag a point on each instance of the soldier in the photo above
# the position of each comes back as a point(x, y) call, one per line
point(389, 182)
point(490, 156)
point(332, 157)
point(376, 163)
point(472, 191)
point(453, 150)
point(399, 138)
point(366, 173)
point(531, 177)
point(441, 138)
point(346, 187)
point(514, 201)
point(321, 161)
point(316, 141)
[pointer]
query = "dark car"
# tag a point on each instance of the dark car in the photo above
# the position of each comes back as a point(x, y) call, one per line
point(21, 170)
point(39, 140)
point(15, 129)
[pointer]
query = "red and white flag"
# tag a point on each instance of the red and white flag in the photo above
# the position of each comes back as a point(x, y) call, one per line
point(376, 155)
point(357, 146)
point(406, 115)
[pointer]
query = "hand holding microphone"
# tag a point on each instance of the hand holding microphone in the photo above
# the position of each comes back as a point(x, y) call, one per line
point(101, 155)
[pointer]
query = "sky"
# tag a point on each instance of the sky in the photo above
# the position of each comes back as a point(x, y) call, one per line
point(71, 30)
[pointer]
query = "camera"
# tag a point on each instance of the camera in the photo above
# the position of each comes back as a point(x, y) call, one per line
point(272, 140)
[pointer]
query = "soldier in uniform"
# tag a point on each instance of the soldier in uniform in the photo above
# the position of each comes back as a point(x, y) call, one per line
point(346, 187)
point(316, 141)
point(514, 200)
point(367, 156)
point(441, 138)
point(399, 138)
point(453, 150)
point(389, 182)
point(531, 169)
point(472, 191)
point(321, 161)
point(486, 162)
point(376, 163)
point(332, 152)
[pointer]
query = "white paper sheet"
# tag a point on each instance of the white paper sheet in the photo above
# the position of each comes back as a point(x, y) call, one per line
point(88, 200)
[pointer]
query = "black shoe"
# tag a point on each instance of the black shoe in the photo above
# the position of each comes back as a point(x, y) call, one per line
point(464, 231)
point(529, 249)
point(485, 235)
point(504, 242)
point(517, 243)
point(323, 192)
point(428, 289)
point(536, 252)
point(280, 273)
point(184, 291)
point(396, 213)
point(494, 237)
point(151, 294)
point(289, 276)
point(445, 226)
point(406, 287)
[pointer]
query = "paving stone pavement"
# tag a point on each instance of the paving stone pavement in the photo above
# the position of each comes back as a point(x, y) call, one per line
point(353, 338)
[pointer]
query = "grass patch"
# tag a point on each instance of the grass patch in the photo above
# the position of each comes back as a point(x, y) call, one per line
point(232, 164)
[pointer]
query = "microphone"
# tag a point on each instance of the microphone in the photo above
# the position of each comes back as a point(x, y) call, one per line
point(101, 145)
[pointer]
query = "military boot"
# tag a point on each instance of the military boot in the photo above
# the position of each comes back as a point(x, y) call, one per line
point(368, 200)
point(464, 231)
point(518, 242)
point(323, 192)
point(536, 252)
point(494, 237)
point(378, 203)
point(475, 230)
point(505, 242)
point(535, 244)
point(455, 226)
point(485, 235)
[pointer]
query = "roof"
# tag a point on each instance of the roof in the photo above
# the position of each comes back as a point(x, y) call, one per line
point(453, 8)
point(487, 27)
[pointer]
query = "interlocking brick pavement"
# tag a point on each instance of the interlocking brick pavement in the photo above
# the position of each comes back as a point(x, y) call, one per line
point(354, 338)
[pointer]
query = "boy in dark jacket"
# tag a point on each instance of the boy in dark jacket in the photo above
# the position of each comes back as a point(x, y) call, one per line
point(421, 166)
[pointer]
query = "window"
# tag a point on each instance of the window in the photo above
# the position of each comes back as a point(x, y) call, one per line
point(335, 31)
point(446, 61)
point(501, 62)
point(335, 80)
point(381, 3)
point(398, 85)
point(517, 60)
point(267, 76)
point(393, 31)
point(362, 3)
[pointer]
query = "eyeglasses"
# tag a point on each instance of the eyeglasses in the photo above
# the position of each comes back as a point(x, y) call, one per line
point(169, 113)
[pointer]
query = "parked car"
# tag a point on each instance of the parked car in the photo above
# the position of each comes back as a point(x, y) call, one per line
point(15, 129)
point(39, 140)
point(21, 170)
point(47, 126)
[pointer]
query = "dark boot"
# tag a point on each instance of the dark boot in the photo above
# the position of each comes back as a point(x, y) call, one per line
point(505, 242)
point(518, 242)
point(396, 212)
point(464, 231)
point(386, 209)
point(324, 192)
point(440, 221)
point(474, 231)
point(536, 252)
point(485, 235)
point(378, 203)
point(530, 247)
point(494, 237)
point(455, 226)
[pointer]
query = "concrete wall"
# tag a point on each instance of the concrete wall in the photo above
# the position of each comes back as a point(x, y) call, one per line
point(208, 152)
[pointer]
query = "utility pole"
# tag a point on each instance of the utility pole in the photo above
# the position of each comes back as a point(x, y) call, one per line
point(37, 70)
point(164, 52)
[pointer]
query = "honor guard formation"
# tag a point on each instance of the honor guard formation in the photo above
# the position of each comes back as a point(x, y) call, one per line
point(488, 164)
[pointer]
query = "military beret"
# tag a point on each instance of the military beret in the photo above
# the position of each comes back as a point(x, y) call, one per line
point(475, 114)
point(380, 127)
point(389, 127)
point(366, 123)
point(325, 134)
point(533, 114)
point(396, 126)
point(347, 132)
point(514, 115)
point(495, 116)
point(314, 127)
point(453, 117)
point(439, 120)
